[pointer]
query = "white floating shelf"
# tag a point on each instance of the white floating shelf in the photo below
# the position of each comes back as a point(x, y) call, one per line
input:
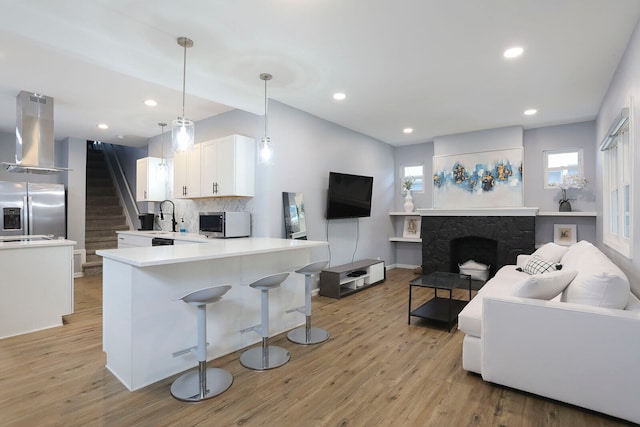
point(404, 213)
point(405, 239)
point(572, 213)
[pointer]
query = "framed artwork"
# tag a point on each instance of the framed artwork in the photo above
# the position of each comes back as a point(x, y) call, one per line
point(412, 227)
point(565, 234)
point(478, 180)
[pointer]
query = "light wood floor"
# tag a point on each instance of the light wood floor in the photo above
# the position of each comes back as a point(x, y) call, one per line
point(374, 371)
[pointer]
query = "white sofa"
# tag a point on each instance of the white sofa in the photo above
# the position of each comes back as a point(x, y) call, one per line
point(576, 342)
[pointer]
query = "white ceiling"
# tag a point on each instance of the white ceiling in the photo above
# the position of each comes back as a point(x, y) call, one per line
point(433, 65)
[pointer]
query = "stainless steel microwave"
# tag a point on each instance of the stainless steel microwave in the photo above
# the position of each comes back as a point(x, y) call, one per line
point(225, 224)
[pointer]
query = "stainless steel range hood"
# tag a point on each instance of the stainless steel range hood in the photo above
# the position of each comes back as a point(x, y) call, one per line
point(34, 135)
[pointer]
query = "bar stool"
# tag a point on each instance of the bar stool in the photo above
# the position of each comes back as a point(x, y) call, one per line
point(307, 335)
point(266, 356)
point(201, 384)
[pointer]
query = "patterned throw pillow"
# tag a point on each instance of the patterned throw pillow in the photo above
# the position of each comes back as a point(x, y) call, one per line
point(536, 265)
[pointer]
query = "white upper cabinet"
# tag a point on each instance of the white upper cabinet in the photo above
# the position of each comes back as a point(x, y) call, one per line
point(150, 180)
point(227, 167)
point(186, 173)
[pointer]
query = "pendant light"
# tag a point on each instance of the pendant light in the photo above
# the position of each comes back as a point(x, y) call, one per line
point(162, 166)
point(183, 129)
point(265, 149)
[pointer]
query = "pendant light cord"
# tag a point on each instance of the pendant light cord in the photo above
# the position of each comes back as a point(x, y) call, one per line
point(266, 77)
point(184, 78)
point(266, 105)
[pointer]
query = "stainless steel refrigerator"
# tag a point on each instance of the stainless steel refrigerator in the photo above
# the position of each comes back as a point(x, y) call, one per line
point(33, 209)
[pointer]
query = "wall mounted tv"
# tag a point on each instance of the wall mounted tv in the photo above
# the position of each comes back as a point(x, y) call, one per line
point(349, 196)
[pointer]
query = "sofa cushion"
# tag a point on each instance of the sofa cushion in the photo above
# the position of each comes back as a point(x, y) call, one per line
point(503, 283)
point(599, 281)
point(551, 252)
point(537, 265)
point(544, 286)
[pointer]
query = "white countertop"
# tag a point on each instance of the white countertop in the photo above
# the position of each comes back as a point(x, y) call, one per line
point(26, 244)
point(212, 249)
point(187, 237)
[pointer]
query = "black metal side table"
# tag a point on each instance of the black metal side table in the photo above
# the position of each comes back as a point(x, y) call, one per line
point(438, 308)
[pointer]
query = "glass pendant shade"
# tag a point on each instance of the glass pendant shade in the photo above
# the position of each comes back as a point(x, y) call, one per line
point(265, 147)
point(182, 134)
point(265, 151)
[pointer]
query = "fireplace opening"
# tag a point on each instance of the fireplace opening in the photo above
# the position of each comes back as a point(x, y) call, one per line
point(479, 249)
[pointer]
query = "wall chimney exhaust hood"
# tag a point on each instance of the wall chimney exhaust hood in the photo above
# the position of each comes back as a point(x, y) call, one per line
point(34, 135)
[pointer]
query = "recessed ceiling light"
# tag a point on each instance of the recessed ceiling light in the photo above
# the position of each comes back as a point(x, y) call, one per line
point(103, 126)
point(530, 112)
point(407, 130)
point(513, 52)
point(339, 96)
point(150, 102)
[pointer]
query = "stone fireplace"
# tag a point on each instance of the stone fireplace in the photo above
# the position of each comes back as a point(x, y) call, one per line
point(491, 236)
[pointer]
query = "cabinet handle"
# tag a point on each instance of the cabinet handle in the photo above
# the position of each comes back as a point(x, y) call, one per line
point(145, 194)
point(184, 190)
point(215, 188)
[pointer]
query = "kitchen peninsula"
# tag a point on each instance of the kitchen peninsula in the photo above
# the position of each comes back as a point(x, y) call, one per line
point(37, 283)
point(144, 323)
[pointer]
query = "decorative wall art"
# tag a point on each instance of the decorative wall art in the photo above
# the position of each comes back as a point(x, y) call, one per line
point(565, 234)
point(478, 180)
point(412, 227)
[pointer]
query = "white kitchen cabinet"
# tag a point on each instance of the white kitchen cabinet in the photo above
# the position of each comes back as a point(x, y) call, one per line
point(227, 167)
point(150, 180)
point(186, 173)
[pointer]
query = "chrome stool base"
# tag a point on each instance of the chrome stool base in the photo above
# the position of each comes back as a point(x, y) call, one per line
point(259, 360)
point(187, 387)
point(315, 336)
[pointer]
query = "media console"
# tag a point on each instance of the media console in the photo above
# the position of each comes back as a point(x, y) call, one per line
point(346, 279)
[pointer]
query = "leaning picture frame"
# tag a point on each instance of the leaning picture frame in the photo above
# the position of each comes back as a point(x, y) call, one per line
point(411, 228)
point(565, 234)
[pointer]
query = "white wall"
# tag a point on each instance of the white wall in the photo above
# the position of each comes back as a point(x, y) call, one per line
point(534, 141)
point(306, 148)
point(624, 85)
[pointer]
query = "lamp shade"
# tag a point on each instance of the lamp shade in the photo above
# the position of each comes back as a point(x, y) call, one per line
point(265, 151)
point(182, 134)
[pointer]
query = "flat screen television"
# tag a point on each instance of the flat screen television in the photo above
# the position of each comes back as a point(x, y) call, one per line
point(349, 196)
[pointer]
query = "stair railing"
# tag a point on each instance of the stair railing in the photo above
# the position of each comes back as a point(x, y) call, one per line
point(122, 186)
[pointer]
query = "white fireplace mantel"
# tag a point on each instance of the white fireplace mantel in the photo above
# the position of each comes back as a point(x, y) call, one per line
point(479, 212)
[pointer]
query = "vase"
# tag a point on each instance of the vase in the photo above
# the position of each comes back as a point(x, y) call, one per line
point(408, 202)
point(565, 206)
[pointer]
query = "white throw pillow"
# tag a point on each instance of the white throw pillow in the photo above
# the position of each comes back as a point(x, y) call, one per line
point(537, 265)
point(544, 286)
point(602, 289)
point(551, 252)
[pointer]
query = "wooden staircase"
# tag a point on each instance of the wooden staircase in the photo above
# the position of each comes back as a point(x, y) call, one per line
point(104, 214)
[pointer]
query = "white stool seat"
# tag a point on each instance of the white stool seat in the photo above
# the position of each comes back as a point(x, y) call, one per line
point(203, 383)
point(205, 295)
point(313, 268)
point(266, 356)
point(269, 282)
point(307, 335)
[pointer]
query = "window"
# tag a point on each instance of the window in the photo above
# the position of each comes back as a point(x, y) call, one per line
point(559, 163)
point(415, 172)
point(617, 169)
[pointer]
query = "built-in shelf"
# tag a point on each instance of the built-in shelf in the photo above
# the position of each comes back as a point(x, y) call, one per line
point(572, 213)
point(404, 239)
point(398, 226)
point(404, 213)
